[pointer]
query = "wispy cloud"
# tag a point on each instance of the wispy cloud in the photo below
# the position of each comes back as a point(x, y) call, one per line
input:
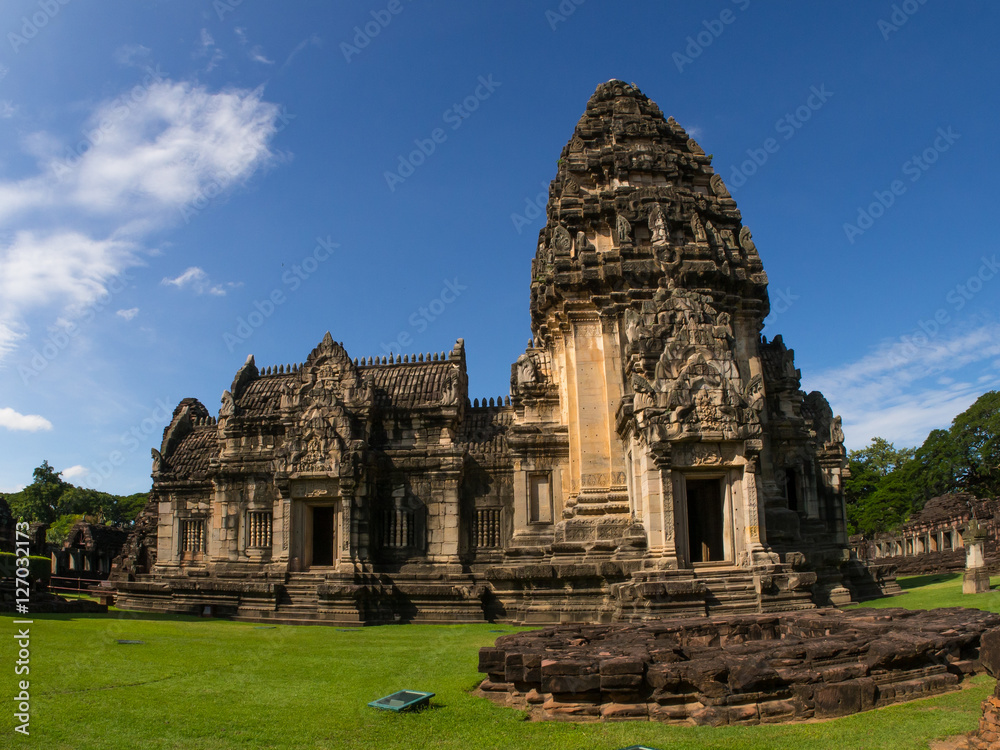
point(128, 314)
point(197, 280)
point(254, 52)
point(207, 48)
point(7, 109)
point(15, 421)
point(131, 54)
point(902, 391)
point(66, 230)
point(313, 39)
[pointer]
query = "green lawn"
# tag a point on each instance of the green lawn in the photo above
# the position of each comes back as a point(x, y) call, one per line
point(934, 591)
point(214, 684)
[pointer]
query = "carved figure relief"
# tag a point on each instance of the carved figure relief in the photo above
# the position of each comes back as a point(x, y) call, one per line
point(527, 371)
point(658, 226)
point(697, 229)
point(561, 240)
point(623, 230)
point(719, 187)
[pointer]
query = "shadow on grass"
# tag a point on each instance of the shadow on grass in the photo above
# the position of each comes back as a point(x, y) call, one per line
point(113, 614)
point(916, 582)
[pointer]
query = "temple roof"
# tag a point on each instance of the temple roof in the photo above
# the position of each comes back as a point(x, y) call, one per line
point(190, 458)
point(635, 199)
point(409, 385)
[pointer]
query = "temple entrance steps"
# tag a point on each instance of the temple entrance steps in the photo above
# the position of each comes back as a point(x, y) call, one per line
point(710, 590)
point(732, 590)
point(297, 603)
point(728, 591)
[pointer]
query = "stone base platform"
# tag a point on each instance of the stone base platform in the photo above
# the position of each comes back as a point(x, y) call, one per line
point(747, 669)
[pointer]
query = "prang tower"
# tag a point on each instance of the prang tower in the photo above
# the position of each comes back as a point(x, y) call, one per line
point(655, 455)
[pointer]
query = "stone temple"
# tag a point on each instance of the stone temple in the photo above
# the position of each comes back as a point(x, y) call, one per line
point(655, 456)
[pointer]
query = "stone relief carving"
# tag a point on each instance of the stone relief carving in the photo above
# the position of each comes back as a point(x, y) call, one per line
point(697, 229)
point(719, 187)
point(623, 230)
point(561, 240)
point(658, 226)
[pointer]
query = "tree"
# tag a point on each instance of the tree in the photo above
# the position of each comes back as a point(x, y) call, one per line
point(976, 436)
point(39, 501)
point(867, 512)
point(888, 485)
point(60, 528)
point(49, 499)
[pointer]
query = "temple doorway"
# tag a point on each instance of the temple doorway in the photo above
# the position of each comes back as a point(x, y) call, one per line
point(323, 517)
point(706, 520)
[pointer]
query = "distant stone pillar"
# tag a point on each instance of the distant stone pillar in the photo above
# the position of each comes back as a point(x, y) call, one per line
point(977, 577)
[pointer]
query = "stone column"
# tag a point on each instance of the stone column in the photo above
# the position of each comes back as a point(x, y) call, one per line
point(659, 492)
point(758, 553)
point(977, 577)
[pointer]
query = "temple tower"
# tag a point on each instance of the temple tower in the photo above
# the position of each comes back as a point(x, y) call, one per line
point(646, 366)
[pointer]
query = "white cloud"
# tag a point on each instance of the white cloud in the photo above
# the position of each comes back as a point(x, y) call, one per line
point(69, 228)
point(128, 54)
point(7, 109)
point(207, 47)
point(16, 421)
point(255, 53)
point(313, 39)
point(127, 314)
point(75, 471)
point(197, 280)
point(903, 390)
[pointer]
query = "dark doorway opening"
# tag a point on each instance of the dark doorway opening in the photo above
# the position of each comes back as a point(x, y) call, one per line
point(322, 541)
point(792, 489)
point(705, 520)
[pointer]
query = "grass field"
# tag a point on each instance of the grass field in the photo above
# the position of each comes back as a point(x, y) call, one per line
point(213, 684)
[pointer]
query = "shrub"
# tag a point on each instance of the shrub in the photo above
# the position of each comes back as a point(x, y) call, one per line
point(39, 568)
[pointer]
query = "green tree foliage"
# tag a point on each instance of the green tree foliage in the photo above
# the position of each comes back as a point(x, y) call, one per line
point(51, 500)
point(39, 501)
point(976, 436)
point(59, 530)
point(887, 485)
point(873, 503)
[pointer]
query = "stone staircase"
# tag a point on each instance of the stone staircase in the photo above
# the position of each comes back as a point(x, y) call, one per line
point(729, 591)
point(297, 603)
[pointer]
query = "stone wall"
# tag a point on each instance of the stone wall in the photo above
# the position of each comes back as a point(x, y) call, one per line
point(736, 670)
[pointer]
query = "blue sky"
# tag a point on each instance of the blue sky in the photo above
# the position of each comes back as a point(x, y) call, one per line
point(185, 183)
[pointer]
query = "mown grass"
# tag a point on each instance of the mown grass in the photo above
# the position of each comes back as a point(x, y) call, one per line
point(213, 684)
point(942, 590)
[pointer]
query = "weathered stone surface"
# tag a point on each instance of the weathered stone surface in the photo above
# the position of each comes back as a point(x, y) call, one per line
point(746, 669)
point(375, 489)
